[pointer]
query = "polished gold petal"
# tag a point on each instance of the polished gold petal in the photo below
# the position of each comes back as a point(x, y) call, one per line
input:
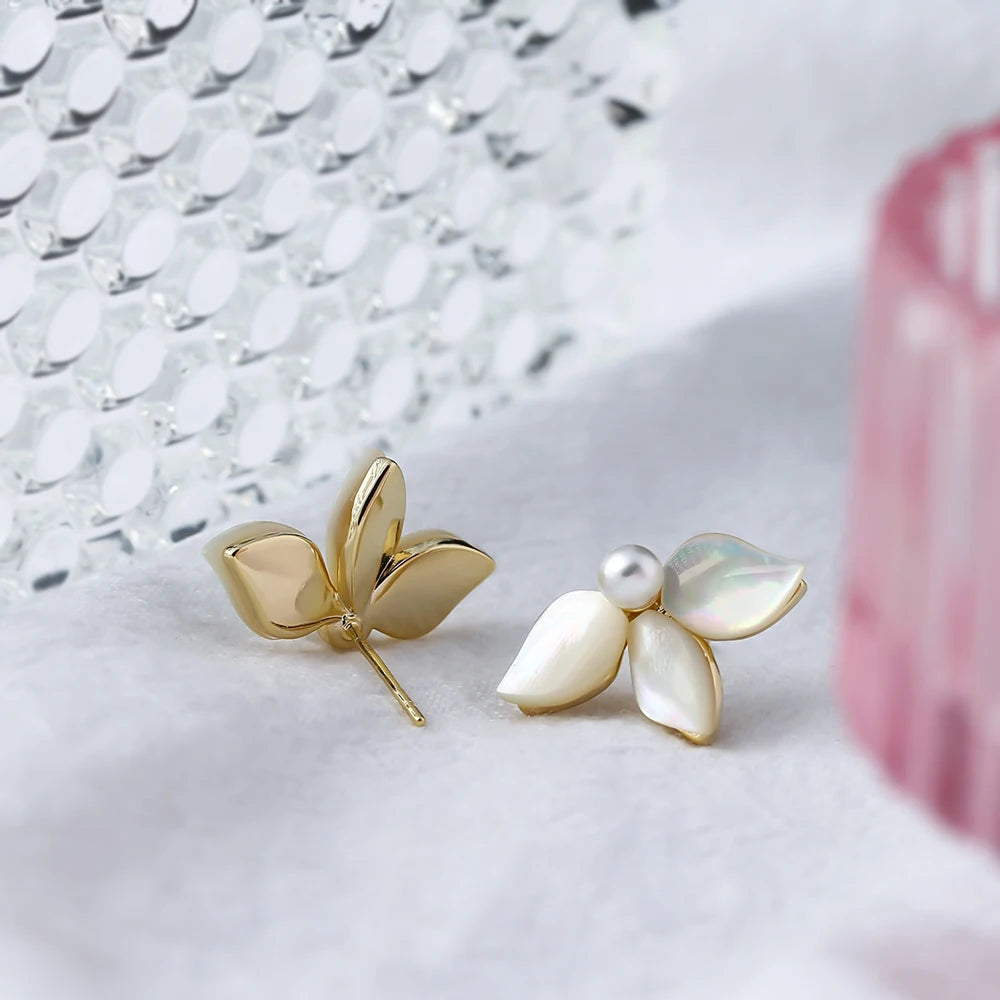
point(423, 582)
point(721, 587)
point(275, 578)
point(365, 528)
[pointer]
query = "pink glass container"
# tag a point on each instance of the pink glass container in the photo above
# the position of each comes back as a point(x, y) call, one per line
point(919, 670)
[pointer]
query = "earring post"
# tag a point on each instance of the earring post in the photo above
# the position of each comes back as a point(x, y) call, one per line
point(380, 668)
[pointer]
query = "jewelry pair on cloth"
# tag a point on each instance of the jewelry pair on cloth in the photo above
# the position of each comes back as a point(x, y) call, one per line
point(714, 587)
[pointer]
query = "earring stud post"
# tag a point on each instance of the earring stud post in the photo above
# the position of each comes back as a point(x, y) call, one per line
point(386, 675)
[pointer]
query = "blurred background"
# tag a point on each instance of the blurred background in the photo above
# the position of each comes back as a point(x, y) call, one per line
point(666, 179)
point(243, 243)
point(594, 272)
point(789, 125)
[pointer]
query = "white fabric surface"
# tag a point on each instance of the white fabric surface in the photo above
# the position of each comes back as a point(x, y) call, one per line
point(188, 810)
point(790, 118)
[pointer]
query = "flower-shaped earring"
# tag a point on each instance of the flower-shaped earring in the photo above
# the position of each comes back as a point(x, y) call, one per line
point(713, 587)
point(402, 586)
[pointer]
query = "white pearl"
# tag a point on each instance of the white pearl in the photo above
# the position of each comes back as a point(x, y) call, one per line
point(676, 682)
point(721, 587)
point(571, 653)
point(630, 577)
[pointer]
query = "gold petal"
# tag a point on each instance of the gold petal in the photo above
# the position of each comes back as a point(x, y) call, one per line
point(275, 578)
point(365, 526)
point(423, 582)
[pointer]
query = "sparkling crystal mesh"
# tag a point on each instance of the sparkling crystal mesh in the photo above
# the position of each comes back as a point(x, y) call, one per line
point(240, 242)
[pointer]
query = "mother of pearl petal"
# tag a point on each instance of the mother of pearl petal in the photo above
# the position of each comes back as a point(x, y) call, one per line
point(674, 676)
point(721, 587)
point(571, 653)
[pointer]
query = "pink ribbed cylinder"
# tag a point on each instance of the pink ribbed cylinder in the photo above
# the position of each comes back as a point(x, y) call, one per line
point(918, 666)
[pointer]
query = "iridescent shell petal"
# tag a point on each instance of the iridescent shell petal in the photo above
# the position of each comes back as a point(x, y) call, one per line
point(674, 676)
point(572, 653)
point(721, 587)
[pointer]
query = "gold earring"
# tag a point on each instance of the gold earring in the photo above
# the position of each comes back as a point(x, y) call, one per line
point(714, 587)
point(379, 579)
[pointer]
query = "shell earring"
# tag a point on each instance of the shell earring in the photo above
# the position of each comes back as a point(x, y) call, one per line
point(714, 587)
point(377, 578)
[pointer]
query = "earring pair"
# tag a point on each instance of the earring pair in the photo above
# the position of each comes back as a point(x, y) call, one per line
point(714, 587)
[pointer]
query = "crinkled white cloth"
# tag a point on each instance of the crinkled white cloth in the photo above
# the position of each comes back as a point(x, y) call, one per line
point(190, 811)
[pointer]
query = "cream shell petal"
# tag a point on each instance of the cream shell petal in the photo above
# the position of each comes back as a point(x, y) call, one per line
point(572, 652)
point(674, 676)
